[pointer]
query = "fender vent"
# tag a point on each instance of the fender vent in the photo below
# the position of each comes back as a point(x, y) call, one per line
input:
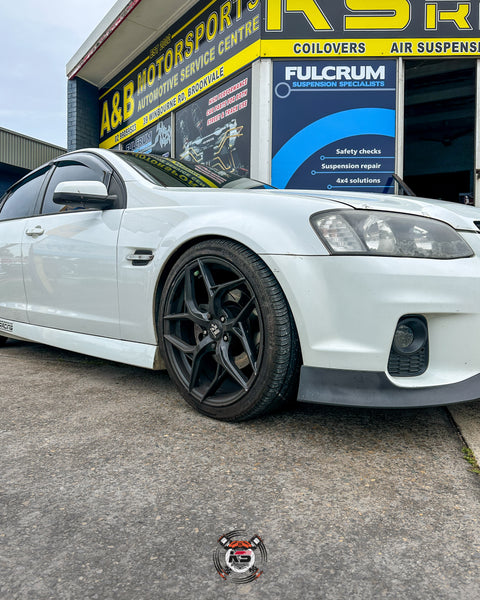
point(140, 258)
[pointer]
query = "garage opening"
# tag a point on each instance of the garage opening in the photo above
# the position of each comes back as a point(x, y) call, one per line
point(439, 128)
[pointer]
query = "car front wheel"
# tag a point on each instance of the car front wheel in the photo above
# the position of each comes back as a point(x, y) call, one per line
point(3, 341)
point(227, 333)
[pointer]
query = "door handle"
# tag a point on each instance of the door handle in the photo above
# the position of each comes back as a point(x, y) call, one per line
point(35, 231)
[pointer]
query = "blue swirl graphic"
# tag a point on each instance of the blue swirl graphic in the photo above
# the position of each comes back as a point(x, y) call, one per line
point(325, 131)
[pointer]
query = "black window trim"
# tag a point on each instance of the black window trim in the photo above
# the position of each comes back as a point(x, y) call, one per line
point(89, 157)
point(20, 182)
point(101, 162)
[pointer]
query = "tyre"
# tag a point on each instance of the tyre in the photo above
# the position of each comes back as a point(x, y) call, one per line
point(3, 341)
point(226, 332)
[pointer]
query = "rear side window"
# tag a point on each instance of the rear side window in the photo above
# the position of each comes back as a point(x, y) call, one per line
point(20, 200)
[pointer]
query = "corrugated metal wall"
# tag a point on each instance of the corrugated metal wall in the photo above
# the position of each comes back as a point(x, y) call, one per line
point(25, 152)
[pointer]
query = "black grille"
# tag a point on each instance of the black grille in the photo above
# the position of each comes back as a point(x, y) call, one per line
point(408, 365)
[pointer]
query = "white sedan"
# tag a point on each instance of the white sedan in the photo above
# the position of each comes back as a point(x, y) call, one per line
point(248, 295)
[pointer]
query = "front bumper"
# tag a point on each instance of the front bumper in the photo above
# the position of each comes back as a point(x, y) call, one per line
point(374, 390)
point(346, 310)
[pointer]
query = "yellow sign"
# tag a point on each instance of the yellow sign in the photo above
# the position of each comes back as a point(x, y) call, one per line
point(202, 84)
point(314, 48)
point(370, 15)
point(191, 57)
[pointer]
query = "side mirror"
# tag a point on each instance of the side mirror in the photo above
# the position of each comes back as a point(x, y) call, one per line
point(83, 194)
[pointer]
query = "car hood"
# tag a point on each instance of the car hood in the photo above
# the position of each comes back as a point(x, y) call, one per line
point(458, 216)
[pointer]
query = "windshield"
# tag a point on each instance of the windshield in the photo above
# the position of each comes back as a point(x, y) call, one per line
point(170, 172)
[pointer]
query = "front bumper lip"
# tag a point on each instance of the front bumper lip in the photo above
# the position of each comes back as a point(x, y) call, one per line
point(371, 389)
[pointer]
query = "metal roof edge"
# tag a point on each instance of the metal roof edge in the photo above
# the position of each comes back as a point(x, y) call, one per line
point(32, 139)
point(25, 152)
point(120, 15)
point(111, 21)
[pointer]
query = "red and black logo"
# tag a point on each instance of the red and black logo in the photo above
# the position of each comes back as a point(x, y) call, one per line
point(239, 560)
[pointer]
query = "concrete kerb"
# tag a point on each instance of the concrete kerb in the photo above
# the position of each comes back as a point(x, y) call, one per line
point(467, 419)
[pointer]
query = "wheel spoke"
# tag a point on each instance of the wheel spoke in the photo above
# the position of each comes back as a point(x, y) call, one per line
point(216, 382)
point(221, 290)
point(243, 313)
point(216, 292)
point(180, 344)
point(179, 317)
point(207, 278)
point(231, 368)
point(191, 305)
point(241, 334)
point(227, 287)
point(199, 353)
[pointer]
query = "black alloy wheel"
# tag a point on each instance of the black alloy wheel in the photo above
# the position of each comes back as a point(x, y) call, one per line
point(227, 334)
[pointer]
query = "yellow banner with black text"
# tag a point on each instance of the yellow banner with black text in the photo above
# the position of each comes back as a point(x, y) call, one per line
point(209, 43)
point(314, 48)
point(185, 94)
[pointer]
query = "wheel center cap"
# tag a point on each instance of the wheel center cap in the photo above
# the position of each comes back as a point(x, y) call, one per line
point(215, 330)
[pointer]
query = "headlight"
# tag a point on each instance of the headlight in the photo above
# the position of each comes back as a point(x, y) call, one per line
point(388, 234)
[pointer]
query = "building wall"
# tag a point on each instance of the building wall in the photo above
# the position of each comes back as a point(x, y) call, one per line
point(9, 175)
point(25, 152)
point(83, 115)
point(20, 154)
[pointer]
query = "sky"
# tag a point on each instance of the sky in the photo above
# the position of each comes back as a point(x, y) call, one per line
point(38, 39)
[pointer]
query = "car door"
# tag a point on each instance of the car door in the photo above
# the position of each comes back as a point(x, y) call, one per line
point(15, 207)
point(70, 267)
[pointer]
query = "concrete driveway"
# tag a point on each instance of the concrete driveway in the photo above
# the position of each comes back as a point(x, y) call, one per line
point(113, 488)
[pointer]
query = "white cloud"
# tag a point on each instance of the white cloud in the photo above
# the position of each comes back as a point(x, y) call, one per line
point(38, 39)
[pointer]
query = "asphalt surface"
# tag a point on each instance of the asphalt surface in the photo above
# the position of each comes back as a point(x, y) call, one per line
point(112, 487)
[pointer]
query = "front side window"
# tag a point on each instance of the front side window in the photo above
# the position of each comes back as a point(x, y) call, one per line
point(70, 170)
point(20, 200)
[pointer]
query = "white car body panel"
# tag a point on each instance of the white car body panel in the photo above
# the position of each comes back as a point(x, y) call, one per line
point(138, 355)
point(164, 229)
point(266, 222)
point(58, 264)
point(13, 304)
